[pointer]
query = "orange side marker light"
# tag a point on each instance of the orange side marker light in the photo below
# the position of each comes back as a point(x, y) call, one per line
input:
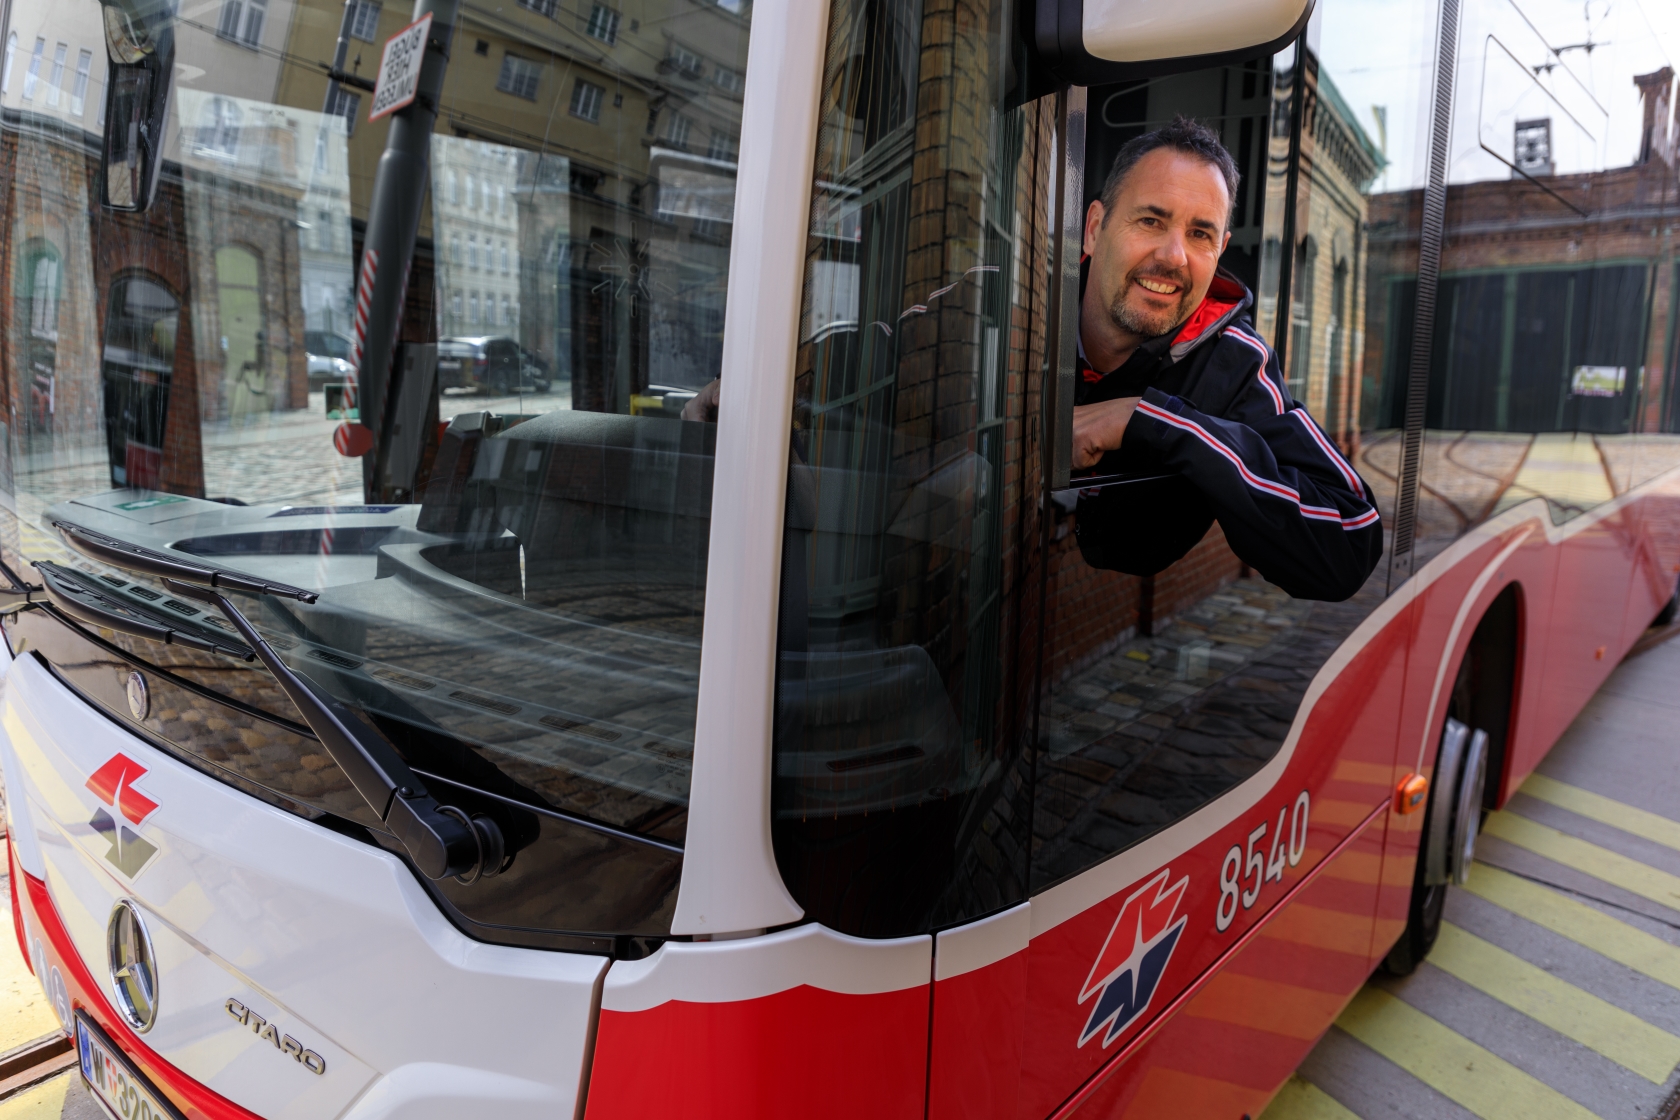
point(1598, 654)
point(1411, 793)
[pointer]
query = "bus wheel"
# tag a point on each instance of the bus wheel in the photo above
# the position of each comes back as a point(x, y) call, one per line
point(1450, 827)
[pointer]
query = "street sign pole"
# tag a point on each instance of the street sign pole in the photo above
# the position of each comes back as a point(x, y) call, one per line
point(410, 84)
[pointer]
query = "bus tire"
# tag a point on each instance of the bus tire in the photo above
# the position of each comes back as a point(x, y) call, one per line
point(1450, 827)
point(1464, 787)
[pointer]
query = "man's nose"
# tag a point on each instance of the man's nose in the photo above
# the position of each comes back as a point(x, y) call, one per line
point(1172, 250)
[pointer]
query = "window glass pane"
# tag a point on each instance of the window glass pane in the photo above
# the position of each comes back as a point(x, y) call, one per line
point(34, 75)
point(963, 654)
point(904, 707)
point(1551, 369)
point(78, 95)
point(520, 612)
point(56, 81)
point(364, 21)
point(603, 23)
point(1177, 674)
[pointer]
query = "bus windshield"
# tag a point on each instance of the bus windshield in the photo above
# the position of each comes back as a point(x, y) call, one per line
point(520, 614)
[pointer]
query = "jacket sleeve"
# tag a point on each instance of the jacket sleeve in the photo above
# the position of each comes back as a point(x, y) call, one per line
point(1291, 506)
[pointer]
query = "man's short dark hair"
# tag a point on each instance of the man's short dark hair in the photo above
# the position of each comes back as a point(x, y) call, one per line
point(1183, 135)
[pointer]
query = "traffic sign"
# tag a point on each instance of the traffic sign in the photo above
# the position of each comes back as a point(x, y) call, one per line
point(399, 69)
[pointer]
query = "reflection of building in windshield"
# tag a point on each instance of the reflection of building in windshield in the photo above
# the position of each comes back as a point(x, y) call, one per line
point(55, 62)
point(254, 177)
point(617, 237)
point(1548, 351)
point(1339, 162)
point(1540, 333)
point(583, 197)
point(475, 224)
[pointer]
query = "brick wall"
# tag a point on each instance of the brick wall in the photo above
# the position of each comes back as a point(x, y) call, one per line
point(1093, 611)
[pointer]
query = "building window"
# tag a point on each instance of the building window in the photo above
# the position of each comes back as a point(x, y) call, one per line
point(519, 77)
point(722, 146)
point(348, 105)
point(454, 188)
point(34, 75)
point(56, 81)
point(501, 200)
point(603, 24)
point(455, 255)
point(455, 305)
point(683, 60)
point(472, 193)
point(364, 20)
point(586, 100)
point(541, 7)
point(324, 223)
point(78, 92)
point(472, 308)
point(472, 251)
point(726, 79)
point(679, 128)
point(242, 21)
point(43, 298)
point(504, 258)
point(218, 135)
point(11, 53)
point(507, 312)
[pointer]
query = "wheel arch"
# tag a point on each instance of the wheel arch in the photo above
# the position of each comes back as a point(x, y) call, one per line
point(1487, 685)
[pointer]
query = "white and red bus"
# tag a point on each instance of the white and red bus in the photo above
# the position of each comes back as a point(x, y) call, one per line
point(544, 579)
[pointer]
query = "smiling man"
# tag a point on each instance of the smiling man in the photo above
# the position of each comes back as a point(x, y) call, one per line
point(1176, 383)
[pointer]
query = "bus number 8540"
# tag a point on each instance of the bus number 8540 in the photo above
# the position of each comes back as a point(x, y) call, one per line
point(1260, 865)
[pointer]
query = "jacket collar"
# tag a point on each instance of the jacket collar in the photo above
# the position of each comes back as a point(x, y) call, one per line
point(1227, 297)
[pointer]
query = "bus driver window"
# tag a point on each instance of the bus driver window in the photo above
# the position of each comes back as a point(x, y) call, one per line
point(1181, 411)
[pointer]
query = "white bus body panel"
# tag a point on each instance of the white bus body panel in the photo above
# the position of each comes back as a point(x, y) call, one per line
point(327, 937)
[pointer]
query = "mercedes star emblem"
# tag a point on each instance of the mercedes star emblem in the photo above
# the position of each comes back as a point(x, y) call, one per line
point(139, 700)
point(133, 966)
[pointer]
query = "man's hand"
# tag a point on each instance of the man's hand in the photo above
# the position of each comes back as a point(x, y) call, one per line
point(1098, 429)
point(704, 406)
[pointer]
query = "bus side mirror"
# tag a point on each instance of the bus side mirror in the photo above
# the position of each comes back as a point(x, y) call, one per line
point(140, 48)
point(1091, 42)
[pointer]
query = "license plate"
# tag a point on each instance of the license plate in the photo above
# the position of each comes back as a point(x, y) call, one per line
point(118, 1085)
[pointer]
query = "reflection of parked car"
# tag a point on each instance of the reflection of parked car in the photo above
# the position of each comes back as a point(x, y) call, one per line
point(492, 365)
point(329, 358)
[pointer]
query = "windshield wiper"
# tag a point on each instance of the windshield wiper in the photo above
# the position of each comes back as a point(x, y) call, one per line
point(138, 558)
point(18, 596)
point(441, 840)
point(85, 601)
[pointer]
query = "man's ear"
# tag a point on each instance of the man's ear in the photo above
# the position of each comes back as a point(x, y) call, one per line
point(1093, 224)
point(1225, 244)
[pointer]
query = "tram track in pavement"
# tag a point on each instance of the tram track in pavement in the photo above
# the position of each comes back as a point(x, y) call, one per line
point(1554, 990)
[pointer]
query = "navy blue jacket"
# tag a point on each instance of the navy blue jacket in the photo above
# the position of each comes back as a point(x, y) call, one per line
point(1217, 419)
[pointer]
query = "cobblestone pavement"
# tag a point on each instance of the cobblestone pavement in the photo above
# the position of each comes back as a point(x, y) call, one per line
point(1168, 722)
